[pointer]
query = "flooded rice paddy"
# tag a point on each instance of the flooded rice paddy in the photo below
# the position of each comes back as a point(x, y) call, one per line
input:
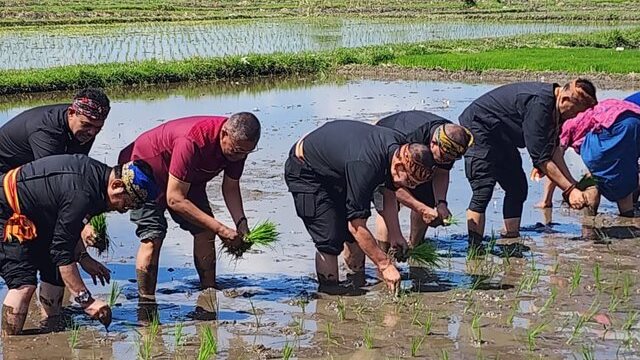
point(554, 296)
point(38, 48)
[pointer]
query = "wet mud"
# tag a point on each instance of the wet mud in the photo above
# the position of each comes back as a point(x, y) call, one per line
point(548, 294)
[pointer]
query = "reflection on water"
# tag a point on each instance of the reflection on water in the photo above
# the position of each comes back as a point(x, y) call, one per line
point(270, 287)
point(166, 41)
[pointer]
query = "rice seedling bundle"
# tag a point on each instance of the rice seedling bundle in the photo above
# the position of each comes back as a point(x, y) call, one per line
point(425, 254)
point(586, 181)
point(102, 240)
point(264, 234)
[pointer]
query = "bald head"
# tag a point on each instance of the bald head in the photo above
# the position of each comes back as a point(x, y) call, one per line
point(243, 126)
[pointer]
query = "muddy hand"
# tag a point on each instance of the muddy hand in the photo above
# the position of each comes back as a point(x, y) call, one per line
point(577, 199)
point(399, 244)
point(96, 270)
point(391, 277)
point(443, 211)
point(99, 310)
point(428, 214)
point(88, 236)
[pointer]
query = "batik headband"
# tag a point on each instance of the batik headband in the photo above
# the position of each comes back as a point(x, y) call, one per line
point(90, 108)
point(139, 186)
point(450, 146)
point(416, 171)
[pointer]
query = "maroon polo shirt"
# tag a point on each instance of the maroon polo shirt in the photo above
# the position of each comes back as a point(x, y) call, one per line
point(187, 148)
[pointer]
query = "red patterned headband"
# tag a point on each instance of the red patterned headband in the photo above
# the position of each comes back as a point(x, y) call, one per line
point(90, 108)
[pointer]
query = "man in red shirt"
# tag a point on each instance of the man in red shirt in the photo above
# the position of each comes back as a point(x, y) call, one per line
point(185, 154)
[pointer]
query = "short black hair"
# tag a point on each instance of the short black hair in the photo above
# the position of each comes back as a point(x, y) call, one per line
point(243, 126)
point(587, 86)
point(94, 94)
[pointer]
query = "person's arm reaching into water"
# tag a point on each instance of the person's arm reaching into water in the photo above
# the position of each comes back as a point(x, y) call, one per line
point(440, 185)
point(407, 199)
point(233, 199)
point(390, 217)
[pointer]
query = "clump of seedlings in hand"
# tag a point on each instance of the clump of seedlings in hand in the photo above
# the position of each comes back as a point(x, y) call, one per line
point(367, 338)
point(114, 293)
point(575, 278)
point(208, 343)
point(264, 234)
point(533, 333)
point(416, 344)
point(102, 240)
point(451, 220)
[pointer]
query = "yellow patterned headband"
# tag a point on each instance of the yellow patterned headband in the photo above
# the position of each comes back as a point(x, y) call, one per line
point(450, 146)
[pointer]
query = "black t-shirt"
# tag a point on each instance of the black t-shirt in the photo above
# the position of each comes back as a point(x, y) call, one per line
point(525, 114)
point(57, 193)
point(353, 157)
point(36, 133)
point(417, 126)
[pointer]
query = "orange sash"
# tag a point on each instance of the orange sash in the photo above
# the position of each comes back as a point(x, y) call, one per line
point(17, 226)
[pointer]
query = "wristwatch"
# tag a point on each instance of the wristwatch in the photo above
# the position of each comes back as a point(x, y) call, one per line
point(84, 298)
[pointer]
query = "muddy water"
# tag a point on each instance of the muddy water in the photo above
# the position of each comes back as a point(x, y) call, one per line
point(46, 48)
point(479, 307)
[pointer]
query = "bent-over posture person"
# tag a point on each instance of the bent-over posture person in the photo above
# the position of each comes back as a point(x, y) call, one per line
point(185, 154)
point(514, 116)
point(53, 130)
point(447, 143)
point(43, 205)
point(332, 174)
point(607, 137)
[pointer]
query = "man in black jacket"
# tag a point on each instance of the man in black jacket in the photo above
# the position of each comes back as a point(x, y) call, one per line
point(43, 207)
point(513, 116)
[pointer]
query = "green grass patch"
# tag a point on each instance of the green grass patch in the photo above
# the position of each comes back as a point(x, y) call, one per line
point(579, 60)
point(583, 53)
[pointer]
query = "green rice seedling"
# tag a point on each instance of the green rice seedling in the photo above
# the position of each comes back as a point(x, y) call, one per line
point(367, 338)
point(298, 326)
point(597, 276)
point(575, 278)
point(444, 354)
point(74, 334)
point(178, 335)
point(425, 254)
point(263, 234)
point(208, 343)
point(512, 313)
point(328, 331)
point(287, 351)
point(256, 316)
point(528, 282)
point(102, 240)
point(587, 353)
point(416, 344)
point(586, 181)
point(533, 333)
point(114, 293)
point(415, 316)
point(614, 302)
point(631, 320)
point(428, 324)
point(583, 319)
point(550, 300)
point(627, 283)
point(451, 220)
point(476, 328)
point(342, 309)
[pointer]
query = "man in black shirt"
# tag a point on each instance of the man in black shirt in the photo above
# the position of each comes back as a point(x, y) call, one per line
point(447, 143)
point(332, 173)
point(516, 116)
point(53, 129)
point(43, 206)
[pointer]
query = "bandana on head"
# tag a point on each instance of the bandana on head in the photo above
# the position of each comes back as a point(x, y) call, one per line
point(138, 185)
point(415, 170)
point(450, 146)
point(90, 108)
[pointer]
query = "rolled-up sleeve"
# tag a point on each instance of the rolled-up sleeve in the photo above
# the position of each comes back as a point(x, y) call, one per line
point(66, 234)
point(361, 182)
point(540, 131)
